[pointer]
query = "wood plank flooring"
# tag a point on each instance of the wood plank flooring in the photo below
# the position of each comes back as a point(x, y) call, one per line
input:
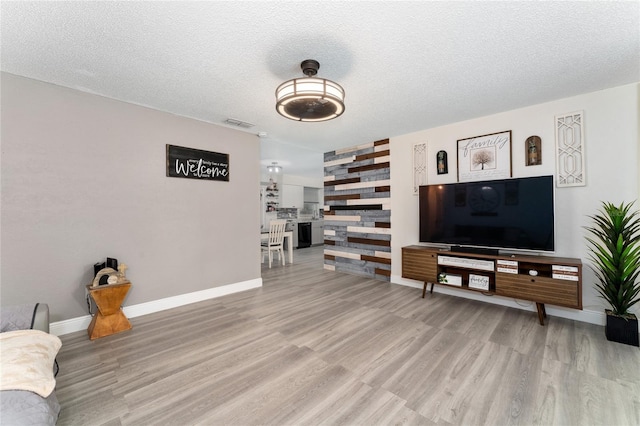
point(313, 347)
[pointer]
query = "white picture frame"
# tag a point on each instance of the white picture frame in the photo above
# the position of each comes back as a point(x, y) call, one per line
point(479, 282)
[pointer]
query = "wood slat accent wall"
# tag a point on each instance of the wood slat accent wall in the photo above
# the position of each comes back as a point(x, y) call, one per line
point(357, 211)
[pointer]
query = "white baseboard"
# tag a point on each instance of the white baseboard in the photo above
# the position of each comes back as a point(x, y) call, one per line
point(72, 325)
point(592, 317)
point(82, 323)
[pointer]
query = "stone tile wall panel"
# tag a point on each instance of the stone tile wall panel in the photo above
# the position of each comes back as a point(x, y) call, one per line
point(357, 220)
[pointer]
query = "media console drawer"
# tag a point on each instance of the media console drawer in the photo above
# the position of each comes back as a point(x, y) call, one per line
point(539, 289)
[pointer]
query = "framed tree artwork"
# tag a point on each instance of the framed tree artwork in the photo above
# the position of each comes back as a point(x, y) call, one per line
point(485, 157)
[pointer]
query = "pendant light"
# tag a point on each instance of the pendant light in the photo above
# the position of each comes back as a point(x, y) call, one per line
point(274, 168)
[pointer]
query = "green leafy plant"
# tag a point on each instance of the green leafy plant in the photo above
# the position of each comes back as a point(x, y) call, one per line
point(614, 250)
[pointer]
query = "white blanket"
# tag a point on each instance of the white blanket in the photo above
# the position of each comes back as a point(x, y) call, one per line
point(26, 361)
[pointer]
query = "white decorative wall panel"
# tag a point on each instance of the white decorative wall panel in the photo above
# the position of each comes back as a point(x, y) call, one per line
point(570, 150)
point(419, 166)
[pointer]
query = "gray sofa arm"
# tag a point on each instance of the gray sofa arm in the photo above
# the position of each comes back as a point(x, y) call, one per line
point(24, 317)
point(41, 317)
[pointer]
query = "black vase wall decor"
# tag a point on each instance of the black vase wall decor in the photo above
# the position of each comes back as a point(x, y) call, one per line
point(533, 149)
point(441, 163)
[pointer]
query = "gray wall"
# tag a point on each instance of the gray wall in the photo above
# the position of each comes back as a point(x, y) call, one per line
point(84, 177)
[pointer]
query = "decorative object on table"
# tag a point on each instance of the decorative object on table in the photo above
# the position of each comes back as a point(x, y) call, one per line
point(419, 166)
point(614, 250)
point(102, 276)
point(98, 267)
point(484, 157)
point(570, 163)
point(110, 276)
point(193, 163)
point(442, 163)
point(123, 270)
point(533, 149)
point(112, 263)
point(109, 271)
point(310, 98)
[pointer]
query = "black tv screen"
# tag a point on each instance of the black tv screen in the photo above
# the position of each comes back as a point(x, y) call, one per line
point(503, 214)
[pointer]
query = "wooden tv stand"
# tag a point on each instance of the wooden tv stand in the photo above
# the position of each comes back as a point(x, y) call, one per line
point(540, 279)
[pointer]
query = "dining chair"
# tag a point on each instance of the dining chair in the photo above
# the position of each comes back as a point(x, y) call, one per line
point(275, 241)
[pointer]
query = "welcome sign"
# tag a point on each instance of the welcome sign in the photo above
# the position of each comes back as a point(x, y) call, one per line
point(197, 164)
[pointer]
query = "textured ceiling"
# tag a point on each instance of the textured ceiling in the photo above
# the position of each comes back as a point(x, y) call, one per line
point(405, 66)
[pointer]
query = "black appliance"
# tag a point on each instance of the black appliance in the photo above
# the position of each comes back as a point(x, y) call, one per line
point(502, 214)
point(304, 234)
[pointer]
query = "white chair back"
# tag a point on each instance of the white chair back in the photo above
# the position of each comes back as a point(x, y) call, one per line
point(276, 232)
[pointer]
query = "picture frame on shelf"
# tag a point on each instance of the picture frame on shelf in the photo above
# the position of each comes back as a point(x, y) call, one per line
point(450, 279)
point(484, 157)
point(479, 282)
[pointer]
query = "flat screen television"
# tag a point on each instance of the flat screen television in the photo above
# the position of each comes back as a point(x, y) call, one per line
point(498, 214)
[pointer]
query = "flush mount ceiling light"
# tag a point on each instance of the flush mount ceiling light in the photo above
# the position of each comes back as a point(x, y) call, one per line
point(274, 168)
point(310, 98)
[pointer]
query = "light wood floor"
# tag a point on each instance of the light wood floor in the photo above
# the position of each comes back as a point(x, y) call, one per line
point(313, 347)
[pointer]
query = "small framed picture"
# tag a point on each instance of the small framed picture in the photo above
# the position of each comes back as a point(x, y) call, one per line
point(450, 279)
point(479, 282)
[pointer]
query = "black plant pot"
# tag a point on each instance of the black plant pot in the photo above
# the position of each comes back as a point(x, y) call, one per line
point(622, 330)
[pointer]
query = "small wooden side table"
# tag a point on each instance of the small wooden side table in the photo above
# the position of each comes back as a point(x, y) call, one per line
point(109, 319)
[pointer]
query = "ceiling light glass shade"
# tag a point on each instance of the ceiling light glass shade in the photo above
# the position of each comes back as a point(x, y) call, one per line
point(274, 168)
point(310, 98)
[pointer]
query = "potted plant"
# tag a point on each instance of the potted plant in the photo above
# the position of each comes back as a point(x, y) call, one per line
point(614, 250)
